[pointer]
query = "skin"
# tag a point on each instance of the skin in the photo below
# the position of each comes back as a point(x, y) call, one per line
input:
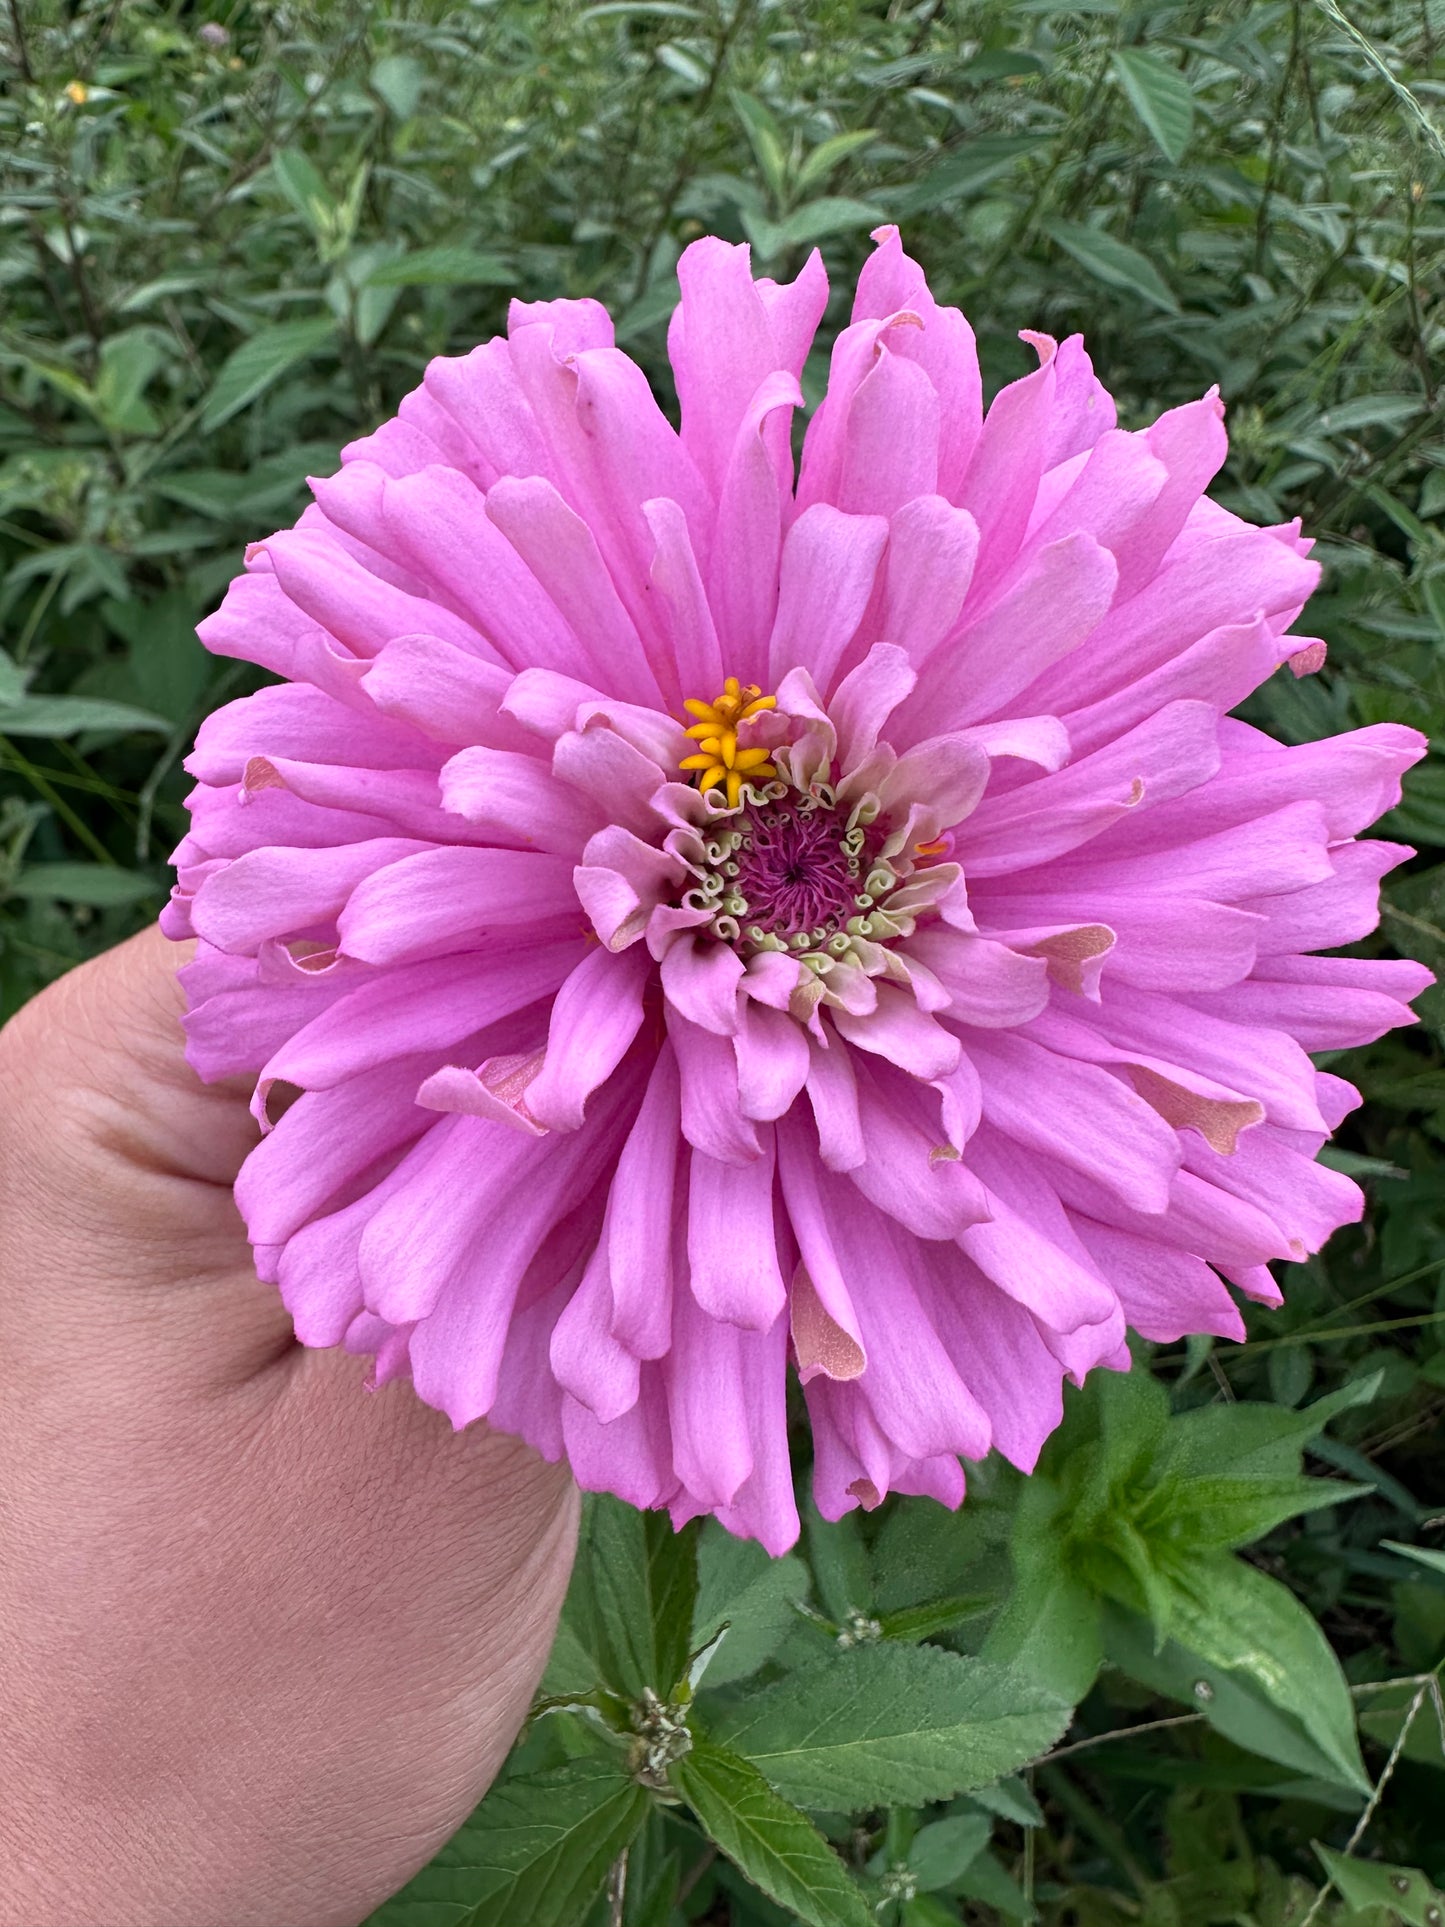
point(265, 1638)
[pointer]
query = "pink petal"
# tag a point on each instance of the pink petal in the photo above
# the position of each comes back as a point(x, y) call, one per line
point(1165, 1294)
point(585, 1357)
point(828, 565)
point(773, 1061)
point(1056, 602)
point(278, 892)
point(595, 1016)
point(421, 1007)
point(932, 550)
point(444, 898)
point(559, 549)
point(1078, 1114)
point(437, 688)
point(712, 1120)
point(731, 1250)
point(517, 802)
point(988, 983)
point(638, 1231)
point(833, 1093)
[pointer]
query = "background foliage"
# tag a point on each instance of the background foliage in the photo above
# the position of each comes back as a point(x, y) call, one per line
point(1167, 1680)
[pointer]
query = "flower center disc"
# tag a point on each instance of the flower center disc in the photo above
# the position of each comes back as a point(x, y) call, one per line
point(795, 871)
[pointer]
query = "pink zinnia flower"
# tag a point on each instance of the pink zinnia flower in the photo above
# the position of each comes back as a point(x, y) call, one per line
point(719, 921)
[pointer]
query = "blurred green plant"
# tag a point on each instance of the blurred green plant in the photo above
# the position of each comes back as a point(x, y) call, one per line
point(230, 240)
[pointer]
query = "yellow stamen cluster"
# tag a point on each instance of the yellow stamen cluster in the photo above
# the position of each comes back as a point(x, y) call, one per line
point(720, 763)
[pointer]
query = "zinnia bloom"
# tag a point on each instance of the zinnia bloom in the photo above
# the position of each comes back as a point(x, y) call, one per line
point(721, 921)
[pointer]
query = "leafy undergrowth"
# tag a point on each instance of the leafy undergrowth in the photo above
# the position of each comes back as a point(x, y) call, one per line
point(1168, 1680)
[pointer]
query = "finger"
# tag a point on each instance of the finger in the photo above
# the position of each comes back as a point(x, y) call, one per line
point(116, 1165)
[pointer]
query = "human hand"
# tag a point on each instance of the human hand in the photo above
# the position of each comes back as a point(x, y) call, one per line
point(264, 1639)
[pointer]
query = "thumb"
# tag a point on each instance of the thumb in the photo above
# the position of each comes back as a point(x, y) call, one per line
point(117, 1164)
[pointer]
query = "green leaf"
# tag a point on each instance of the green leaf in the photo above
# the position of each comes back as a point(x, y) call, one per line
point(923, 1622)
point(631, 1601)
point(650, 1902)
point(537, 1850)
point(966, 172)
point(302, 184)
point(12, 681)
point(941, 1852)
point(572, 1666)
point(756, 1596)
point(923, 1553)
point(778, 1848)
point(1254, 1440)
point(827, 154)
point(1160, 96)
point(891, 1725)
point(924, 1911)
point(987, 1881)
point(842, 1571)
point(1048, 1629)
point(829, 214)
point(1383, 1717)
point(1425, 1555)
point(69, 715)
point(100, 885)
point(399, 79)
point(1231, 1703)
point(766, 139)
point(225, 495)
point(1010, 1800)
point(1209, 1515)
point(1113, 262)
point(127, 363)
point(1372, 1883)
point(248, 371)
point(442, 267)
point(1239, 1618)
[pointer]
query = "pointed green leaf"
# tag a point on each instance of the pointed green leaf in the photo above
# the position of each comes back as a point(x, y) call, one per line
point(962, 174)
point(1160, 96)
point(891, 1725)
point(537, 1850)
point(1237, 1617)
point(1424, 1555)
point(842, 1570)
point(1113, 262)
point(1256, 1441)
point(442, 267)
point(778, 1848)
point(1048, 1629)
point(986, 1880)
point(1211, 1515)
point(924, 1911)
point(1406, 1891)
point(766, 138)
point(827, 154)
point(68, 715)
point(829, 214)
point(399, 79)
point(922, 1622)
point(1231, 1703)
point(630, 1604)
point(101, 885)
point(738, 1583)
point(947, 1848)
point(248, 371)
point(127, 363)
point(1010, 1800)
point(301, 182)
